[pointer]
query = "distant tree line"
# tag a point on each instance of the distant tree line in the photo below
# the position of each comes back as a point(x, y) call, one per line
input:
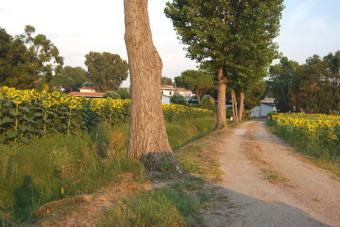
point(31, 60)
point(313, 87)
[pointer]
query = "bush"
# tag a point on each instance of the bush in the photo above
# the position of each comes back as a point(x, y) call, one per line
point(178, 99)
point(101, 137)
point(124, 93)
point(112, 94)
point(207, 102)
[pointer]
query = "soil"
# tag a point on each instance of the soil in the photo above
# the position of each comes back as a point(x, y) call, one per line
point(267, 183)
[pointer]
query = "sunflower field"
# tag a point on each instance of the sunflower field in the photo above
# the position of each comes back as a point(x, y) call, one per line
point(25, 114)
point(315, 134)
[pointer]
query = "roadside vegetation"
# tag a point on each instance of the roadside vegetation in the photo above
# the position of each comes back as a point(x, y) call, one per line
point(52, 157)
point(315, 135)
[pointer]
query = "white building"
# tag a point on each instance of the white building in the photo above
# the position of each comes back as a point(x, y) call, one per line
point(267, 106)
point(88, 92)
point(87, 89)
point(168, 91)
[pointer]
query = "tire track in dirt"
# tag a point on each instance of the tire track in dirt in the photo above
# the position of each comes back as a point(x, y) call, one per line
point(268, 184)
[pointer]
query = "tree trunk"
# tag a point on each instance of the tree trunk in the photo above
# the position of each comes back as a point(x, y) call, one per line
point(234, 103)
point(241, 110)
point(198, 97)
point(221, 102)
point(148, 134)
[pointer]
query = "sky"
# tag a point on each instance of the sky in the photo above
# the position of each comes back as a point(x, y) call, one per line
point(77, 27)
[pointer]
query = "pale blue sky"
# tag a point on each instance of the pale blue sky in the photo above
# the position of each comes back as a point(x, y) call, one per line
point(79, 26)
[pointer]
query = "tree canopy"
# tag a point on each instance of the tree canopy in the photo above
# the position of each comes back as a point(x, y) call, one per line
point(106, 70)
point(27, 58)
point(197, 81)
point(166, 81)
point(70, 78)
point(236, 37)
point(312, 87)
point(46, 60)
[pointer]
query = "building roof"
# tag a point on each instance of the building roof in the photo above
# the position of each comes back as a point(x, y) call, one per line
point(88, 94)
point(180, 89)
point(89, 88)
point(268, 101)
point(168, 87)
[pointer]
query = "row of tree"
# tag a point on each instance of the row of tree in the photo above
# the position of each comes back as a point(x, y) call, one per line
point(313, 87)
point(29, 60)
point(232, 40)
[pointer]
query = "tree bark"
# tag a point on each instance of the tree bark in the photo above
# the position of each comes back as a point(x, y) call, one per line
point(221, 102)
point(148, 134)
point(234, 103)
point(241, 107)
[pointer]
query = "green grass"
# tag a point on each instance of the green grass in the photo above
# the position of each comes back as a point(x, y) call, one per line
point(52, 168)
point(201, 159)
point(161, 207)
point(59, 166)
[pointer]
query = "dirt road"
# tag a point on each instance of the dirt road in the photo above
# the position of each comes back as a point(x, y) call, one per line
point(268, 184)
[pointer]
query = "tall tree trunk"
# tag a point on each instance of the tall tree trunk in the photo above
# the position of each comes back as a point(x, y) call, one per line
point(221, 102)
point(241, 107)
point(234, 103)
point(148, 134)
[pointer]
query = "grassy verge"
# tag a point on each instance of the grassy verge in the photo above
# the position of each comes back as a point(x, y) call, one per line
point(60, 166)
point(201, 158)
point(179, 202)
point(171, 206)
point(313, 151)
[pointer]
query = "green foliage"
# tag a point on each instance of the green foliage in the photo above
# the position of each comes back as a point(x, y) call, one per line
point(183, 131)
point(318, 145)
point(162, 207)
point(166, 81)
point(52, 168)
point(124, 93)
point(106, 70)
point(26, 114)
point(312, 87)
point(198, 81)
point(112, 94)
point(26, 197)
point(47, 61)
point(207, 102)
point(15, 61)
point(101, 137)
point(70, 78)
point(178, 99)
point(62, 166)
point(27, 58)
point(234, 36)
point(254, 94)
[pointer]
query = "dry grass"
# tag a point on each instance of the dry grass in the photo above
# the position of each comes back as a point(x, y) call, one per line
point(201, 158)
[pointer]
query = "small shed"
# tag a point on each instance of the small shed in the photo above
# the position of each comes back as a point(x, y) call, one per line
point(267, 106)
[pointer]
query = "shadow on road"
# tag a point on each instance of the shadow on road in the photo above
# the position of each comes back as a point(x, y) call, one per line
point(230, 208)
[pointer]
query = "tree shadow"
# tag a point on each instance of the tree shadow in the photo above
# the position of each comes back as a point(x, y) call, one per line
point(226, 207)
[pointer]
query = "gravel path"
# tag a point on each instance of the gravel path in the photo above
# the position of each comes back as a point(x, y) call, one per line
point(268, 184)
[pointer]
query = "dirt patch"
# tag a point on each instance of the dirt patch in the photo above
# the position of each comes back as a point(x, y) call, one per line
point(83, 210)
